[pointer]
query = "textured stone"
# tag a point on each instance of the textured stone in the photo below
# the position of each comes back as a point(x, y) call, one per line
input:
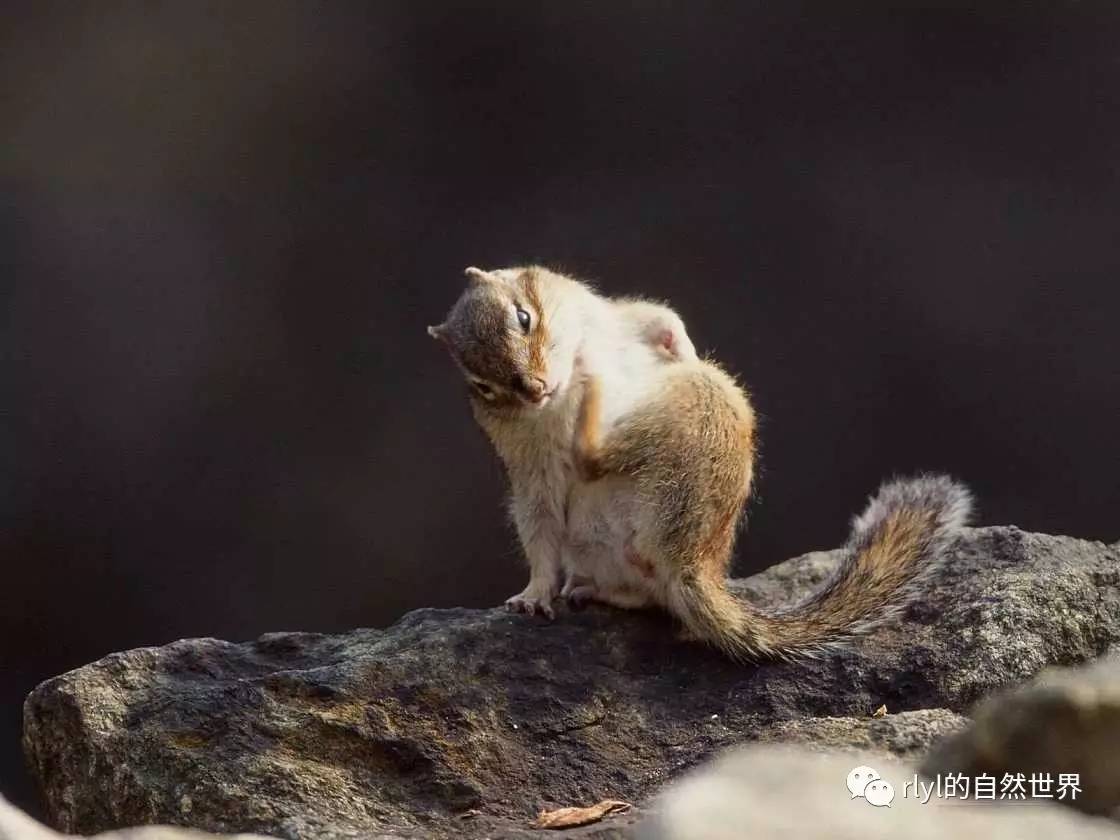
point(467, 723)
point(1067, 721)
point(777, 793)
point(907, 735)
point(16, 825)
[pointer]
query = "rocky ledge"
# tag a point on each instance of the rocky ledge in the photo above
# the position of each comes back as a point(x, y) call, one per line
point(468, 723)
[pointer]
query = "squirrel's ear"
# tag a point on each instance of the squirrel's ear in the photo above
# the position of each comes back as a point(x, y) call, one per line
point(438, 332)
point(477, 275)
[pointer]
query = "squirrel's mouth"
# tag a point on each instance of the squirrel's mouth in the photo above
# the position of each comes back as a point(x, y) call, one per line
point(535, 390)
point(540, 398)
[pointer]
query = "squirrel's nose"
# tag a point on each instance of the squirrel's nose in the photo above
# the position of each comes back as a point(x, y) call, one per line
point(534, 388)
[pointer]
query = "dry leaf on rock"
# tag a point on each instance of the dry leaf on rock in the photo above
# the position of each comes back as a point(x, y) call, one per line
point(570, 817)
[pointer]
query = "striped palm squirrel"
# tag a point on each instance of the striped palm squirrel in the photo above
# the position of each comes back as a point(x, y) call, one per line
point(630, 461)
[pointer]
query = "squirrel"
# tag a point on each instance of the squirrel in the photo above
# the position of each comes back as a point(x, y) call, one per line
point(630, 462)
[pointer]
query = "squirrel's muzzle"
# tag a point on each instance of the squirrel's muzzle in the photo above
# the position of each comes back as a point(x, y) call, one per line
point(533, 388)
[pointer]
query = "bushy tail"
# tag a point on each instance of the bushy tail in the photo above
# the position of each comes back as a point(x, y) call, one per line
point(894, 545)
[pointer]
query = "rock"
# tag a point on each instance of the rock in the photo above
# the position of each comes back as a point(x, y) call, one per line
point(1068, 721)
point(16, 825)
point(775, 793)
point(907, 735)
point(497, 716)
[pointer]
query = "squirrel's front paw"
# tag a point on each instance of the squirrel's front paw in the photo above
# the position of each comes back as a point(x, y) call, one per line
point(533, 601)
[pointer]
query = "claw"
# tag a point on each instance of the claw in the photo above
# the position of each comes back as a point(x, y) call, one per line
point(531, 605)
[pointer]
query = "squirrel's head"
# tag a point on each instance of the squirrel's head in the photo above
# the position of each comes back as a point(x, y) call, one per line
point(506, 332)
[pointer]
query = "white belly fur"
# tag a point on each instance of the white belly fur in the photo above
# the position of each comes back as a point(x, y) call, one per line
point(601, 516)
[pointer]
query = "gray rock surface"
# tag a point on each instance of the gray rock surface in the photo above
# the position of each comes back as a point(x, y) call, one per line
point(16, 825)
point(1067, 721)
point(907, 735)
point(778, 793)
point(466, 723)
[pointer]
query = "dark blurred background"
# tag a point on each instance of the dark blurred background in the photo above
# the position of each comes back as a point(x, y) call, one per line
point(224, 227)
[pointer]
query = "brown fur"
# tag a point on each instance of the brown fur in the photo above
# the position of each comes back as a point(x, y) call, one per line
point(691, 450)
point(588, 436)
point(538, 338)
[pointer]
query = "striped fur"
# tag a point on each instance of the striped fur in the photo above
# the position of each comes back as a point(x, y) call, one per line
point(894, 547)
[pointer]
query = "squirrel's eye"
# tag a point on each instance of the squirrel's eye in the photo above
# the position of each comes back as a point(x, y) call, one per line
point(524, 319)
point(483, 390)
